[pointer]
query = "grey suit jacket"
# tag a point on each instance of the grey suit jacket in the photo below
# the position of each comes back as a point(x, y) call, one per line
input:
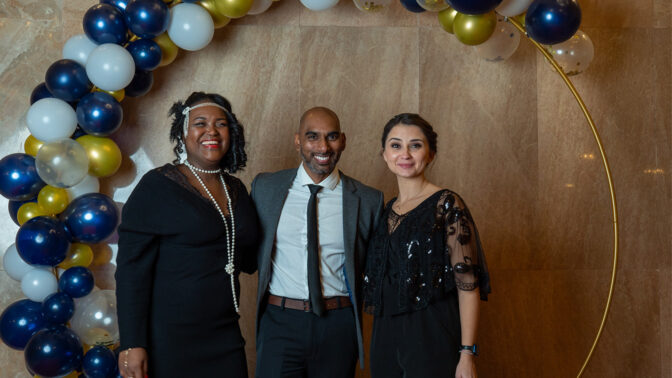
point(362, 209)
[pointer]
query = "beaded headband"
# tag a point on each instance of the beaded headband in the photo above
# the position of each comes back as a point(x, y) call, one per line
point(187, 109)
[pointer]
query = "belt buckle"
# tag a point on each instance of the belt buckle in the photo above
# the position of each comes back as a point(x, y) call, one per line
point(306, 306)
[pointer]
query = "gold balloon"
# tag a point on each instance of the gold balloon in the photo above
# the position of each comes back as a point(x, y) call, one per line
point(53, 200)
point(446, 19)
point(168, 49)
point(78, 255)
point(233, 8)
point(28, 211)
point(474, 29)
point(218, 19)
point(118, 95)
point(32, 145)
point(104, 155)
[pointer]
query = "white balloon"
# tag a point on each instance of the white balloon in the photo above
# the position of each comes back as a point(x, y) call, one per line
point(14, 265)
point(191, 27)
point(575, 54)
point(510, 8)
point(78, 48)
point(259, 6)
point(501, 45)
point(38, 284)
point(110, 67)
point(319, 5)
point(89, 184)
point(433, 5)
point(51, 119)
point(62, 163)
point(372, 6)
point(95, 318)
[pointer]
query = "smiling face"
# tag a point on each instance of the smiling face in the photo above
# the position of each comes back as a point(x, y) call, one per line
point(320, 142)
point(407, 151)
point(207, 139)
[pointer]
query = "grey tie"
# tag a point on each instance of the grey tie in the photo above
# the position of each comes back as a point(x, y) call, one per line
point(314, 282)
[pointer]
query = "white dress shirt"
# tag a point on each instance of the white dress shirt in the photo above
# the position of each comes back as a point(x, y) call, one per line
point(289, 276)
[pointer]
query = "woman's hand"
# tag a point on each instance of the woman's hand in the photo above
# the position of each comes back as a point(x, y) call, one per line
point(466, 368)
point(133, 363)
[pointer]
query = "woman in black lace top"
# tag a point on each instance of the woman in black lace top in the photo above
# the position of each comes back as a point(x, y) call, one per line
point(187, 231)
point(425, 267)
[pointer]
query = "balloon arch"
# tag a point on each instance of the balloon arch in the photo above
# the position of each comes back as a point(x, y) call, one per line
point(53, 187)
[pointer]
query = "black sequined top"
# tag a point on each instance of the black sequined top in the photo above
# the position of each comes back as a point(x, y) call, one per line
point(419, 257)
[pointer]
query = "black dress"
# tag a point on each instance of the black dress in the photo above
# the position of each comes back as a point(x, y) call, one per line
point(173, 295)
point(416, 263)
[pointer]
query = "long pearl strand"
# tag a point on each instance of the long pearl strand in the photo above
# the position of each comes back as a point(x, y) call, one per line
point(230, 239)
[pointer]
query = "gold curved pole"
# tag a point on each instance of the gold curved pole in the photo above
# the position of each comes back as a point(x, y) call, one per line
point(607, 170)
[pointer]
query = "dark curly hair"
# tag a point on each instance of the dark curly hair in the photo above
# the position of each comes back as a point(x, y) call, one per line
point(411, 119)
point(235, 158)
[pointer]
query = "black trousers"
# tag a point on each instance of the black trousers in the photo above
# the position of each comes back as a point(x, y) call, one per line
point(298, 344)
point(418, 344)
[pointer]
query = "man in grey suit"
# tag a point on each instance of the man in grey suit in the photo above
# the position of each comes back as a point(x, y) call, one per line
point(316, 223)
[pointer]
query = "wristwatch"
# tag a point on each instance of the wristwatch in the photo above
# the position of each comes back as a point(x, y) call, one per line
point(471, 348)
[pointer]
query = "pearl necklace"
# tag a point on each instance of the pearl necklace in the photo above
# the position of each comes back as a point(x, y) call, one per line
point(230, 239)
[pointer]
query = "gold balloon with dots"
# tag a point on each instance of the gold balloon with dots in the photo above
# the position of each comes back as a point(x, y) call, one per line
point(118, 95)
point(168, 49)
point(32, 145)
point(78, 255)
point(233, 8)
point(53, 200)
point(104, 155)
point(218, 18)
point(28, 211)
point(447, 18)
point(474, 29)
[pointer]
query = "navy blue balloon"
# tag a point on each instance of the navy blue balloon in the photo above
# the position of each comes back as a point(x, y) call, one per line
point(39, 93)
point(76, 281)
point(99, 362)
point(552, 21)
point(147, 18)
point(412, 6)
point(104, 23)
point(53, 351)
point(43, 241)
point(474, 6)
point(146, 54)
point(91, 217)
point(13, 208)
point(58, 308)
point(141, 84)
point(19, 322)
point(99, 113)
point(19, 180)
point(119, 4)
point(66, 79)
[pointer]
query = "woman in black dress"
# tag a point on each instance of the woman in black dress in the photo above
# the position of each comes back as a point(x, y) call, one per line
point(187, 231)
point(425, 267)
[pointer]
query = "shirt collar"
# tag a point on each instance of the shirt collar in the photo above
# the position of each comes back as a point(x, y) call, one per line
point(330, 182)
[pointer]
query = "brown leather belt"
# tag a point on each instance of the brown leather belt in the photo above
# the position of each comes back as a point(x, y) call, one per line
point(331, 303)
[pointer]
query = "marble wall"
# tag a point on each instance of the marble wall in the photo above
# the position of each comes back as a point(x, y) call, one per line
point(513, 143)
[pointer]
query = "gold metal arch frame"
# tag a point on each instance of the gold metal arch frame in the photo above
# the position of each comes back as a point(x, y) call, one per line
point(607, 171)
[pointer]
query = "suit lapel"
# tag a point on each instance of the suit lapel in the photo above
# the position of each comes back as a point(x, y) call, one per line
point(350, 217)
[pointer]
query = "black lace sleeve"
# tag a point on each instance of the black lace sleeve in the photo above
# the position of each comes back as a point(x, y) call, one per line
point(463, 245)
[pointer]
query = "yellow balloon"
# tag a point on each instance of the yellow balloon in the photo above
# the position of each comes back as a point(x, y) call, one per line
point(28, 211)
point(118, 95)
point(168, 49)
point(32, 145)
point(52, 199)
point(446, 19)
point(233, 8)
point(219, 19)
point(474, 29)
point(78, 255)
point(104, 155)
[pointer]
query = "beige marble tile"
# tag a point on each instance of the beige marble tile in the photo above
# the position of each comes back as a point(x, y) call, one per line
point(349, 70)
point(626, 14)
point(485, 116)
point(281, 12)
